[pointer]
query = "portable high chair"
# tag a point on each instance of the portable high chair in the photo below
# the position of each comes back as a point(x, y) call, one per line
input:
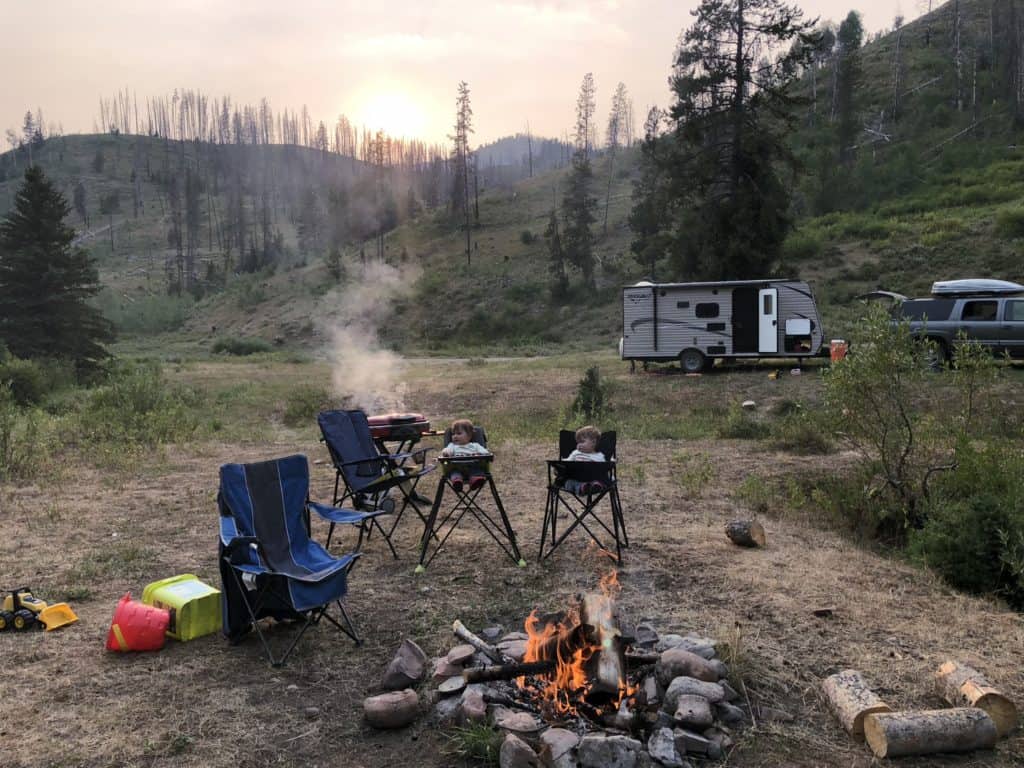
point(466, 502)
point(268, 564)
point(583, 509)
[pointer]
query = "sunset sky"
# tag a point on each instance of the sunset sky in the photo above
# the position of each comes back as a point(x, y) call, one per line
point(391, 65)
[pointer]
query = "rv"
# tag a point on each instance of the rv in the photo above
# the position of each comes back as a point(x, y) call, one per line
point(695, 323)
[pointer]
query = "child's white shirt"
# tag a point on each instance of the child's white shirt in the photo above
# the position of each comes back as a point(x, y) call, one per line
point(469, 449)
point(578, 455)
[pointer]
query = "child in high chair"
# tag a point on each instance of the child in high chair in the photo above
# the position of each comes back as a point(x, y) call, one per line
point(462, 444)
point(586, 450)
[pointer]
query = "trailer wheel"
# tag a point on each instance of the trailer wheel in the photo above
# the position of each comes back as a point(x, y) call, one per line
point(692, 360)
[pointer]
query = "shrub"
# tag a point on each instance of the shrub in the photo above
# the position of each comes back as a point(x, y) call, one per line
point(801, 246)
point(232, 345)
point(303, 404)
point(526, 237)
point(591, 395)
point(137, 406)
point(801, 433)
point(21, 445)
point(741, 425)
point(1010, 222)
point(25, 379)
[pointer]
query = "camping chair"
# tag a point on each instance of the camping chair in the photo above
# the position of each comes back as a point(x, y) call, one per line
point(365, 476)
point(268, 564)
point(466, 502)
point(583, 507)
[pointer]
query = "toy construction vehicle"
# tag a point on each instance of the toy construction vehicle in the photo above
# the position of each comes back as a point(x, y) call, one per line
point(22, 611)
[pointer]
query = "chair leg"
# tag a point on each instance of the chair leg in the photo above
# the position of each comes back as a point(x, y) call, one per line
point(428, 526)
point(508, 525)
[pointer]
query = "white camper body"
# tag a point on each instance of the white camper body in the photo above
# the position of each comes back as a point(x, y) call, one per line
point(697, 322)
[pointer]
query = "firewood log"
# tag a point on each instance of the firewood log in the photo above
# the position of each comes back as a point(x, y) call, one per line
point(851, 700)
point(746, 533)
point(895, 734)
point(963, 686)
point(607, 666)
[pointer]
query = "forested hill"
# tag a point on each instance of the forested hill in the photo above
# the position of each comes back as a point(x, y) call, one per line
point(909, 171)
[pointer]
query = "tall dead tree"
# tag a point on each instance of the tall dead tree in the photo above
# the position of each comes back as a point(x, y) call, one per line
point(616, 123)
point(463, 127)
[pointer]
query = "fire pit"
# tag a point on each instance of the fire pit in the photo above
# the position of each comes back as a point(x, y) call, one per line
point(586, 688)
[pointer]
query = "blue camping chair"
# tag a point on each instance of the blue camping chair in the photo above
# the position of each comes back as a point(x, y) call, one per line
point(583, 507)
point(364, 476)
point(499, 529)
point(268, 564)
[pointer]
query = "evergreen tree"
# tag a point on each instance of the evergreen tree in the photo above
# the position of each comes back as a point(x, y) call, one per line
point(650, 207)
point(556, 258)
point(579, 206)
point(726, 207)
point(45, 282)
point(848, 72)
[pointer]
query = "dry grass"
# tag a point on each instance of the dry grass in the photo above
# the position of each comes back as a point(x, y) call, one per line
point(68, 702)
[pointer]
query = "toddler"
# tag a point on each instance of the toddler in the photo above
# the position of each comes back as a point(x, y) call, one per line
point(462, 444)
point(586, 450)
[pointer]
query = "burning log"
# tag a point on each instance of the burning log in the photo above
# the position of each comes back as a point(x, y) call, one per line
point(961, 686)
point(508, 671)
point(488, 650)
point(607, 664)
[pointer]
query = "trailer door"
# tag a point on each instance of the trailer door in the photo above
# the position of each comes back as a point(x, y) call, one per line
point(768, 320)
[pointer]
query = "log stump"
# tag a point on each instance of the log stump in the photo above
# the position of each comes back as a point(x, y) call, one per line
point(896, 734)
point(963, 686)
point(851, 700)
point(746, 533)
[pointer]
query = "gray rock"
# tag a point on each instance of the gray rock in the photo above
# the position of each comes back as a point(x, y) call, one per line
point(446, 710)
point(773, 715)
point(508, 637)
point(730, 694)
point(729, 714)
point(650, 690)
point(720, 668)
point(516, 753)
point(662, 747)
point(472, 707)
point(678, 662)
point(444, 669)
point(514, 649)
point(558, 748)
point(646, 636)
point(702, 646)
point(515, 722)
point(694, 711)
point(718, 742)
point(601, 751)
point(683, 686)
point(690, 743)
point(460, 654)
point(394, 709)
point(490, 634)
point(407, 668)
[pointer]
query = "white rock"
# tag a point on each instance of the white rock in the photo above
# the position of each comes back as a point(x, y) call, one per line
point(662, 747)
point(516, 753)
point(683, 686)
point(557, 748)
point(749, 405)
point(600, 751)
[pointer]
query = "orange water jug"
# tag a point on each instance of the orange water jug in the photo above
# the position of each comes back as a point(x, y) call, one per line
point(837, 350)
point(137, 626)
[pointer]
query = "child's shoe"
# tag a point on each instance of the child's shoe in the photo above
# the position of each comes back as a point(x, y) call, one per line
point(456, 481)
point(477, 482)
point(595, 487)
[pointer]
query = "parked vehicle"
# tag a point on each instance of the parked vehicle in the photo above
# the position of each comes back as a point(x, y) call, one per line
point(698, 322)
point(990, 312)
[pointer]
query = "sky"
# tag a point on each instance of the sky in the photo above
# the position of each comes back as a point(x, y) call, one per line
point(394, 66)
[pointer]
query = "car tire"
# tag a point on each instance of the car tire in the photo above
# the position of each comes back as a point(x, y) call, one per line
point(692, 361)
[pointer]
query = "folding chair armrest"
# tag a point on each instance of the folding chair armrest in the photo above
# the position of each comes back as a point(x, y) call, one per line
point(476, 457)
point(342, 515)
point(407, 454)
point(231, 549)
point(379, 459)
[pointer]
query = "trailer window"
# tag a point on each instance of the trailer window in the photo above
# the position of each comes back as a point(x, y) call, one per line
point(707, 310)
point(767, 310)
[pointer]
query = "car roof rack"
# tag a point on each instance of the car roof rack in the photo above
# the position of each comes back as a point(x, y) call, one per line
point(975, 287)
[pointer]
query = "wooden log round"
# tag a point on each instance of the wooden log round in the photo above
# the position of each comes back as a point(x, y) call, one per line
point(746, 533)
point(897, 734)
point(851, 700)
point(963, 686)
point(391, 710)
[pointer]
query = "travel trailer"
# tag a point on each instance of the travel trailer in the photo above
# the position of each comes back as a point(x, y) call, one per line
point(695, 323)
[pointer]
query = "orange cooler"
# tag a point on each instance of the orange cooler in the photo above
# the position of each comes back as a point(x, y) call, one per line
point(837, 350)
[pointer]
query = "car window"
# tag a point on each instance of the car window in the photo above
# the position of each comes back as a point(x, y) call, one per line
point(920, 309)
point(983, 311)
point(1015, 311)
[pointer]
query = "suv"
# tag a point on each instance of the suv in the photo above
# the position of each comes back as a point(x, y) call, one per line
point(990, 312)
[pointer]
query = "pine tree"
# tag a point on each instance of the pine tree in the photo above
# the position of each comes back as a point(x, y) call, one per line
point(848, 67)
point(579, 205)
point(45, 282)
point(556, 258)
point(727, 207)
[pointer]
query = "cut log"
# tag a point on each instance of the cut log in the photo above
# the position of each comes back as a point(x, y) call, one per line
point(486, 649)
point(963, 686)
point(896, 734)
point(607, 666)
point(508, 671)
point(851, 700)
point(745, 533)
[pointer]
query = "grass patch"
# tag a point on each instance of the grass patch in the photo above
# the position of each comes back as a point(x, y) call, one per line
point(241, 346)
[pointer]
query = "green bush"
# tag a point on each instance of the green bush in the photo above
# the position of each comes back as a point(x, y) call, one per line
point(801, 246)
point(591, 395)
point(801, 433)
point(22, 447)
point(742, 425)
point(26, 380)
point(232, 345)
point(1010, 222)
point(137, 406)
point(303, 404)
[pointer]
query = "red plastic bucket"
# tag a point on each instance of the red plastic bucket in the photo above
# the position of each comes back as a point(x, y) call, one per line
point(837, 350)
point(137, 626)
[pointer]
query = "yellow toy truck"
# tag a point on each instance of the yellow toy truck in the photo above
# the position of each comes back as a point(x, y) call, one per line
point(23, 611)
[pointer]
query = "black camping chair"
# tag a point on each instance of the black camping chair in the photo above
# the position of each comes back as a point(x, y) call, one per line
point(466, 502)
point(269, 566)
point(364, 476)
point(584, 507)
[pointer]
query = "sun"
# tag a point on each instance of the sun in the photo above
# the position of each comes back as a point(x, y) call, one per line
point(394, 112)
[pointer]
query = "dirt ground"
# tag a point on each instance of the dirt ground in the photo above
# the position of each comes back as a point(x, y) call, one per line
point(67, 702)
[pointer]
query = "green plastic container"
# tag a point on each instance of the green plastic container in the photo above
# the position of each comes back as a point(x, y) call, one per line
point(194, 606)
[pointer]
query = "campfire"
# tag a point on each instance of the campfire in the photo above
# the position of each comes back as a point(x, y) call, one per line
point(586, 649)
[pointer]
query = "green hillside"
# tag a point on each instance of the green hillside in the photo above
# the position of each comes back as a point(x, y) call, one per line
point(932, 192)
